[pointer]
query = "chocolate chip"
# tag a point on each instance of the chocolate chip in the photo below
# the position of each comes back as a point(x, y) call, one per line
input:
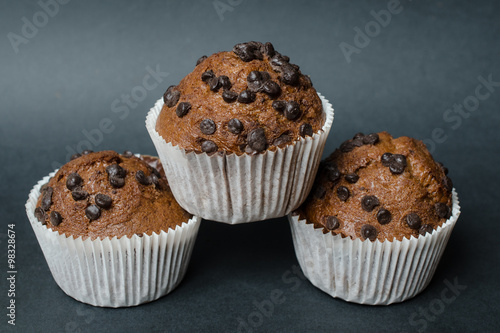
point(277, 61)
point(369, 202)
point(413, 221)
point(279, 106)
point(305, 129)
point(79, 194)
point(319, 191)
point(371, 139)
point(369, 232)
point(235, 126)
point(358, 135)
point(426, 228)
point(246, 96)
point(271, 88)
point(209, 146)
point(397, 164)
point(47, 198)
point(442, 210)
point(103, 200)
point(292, 110)
point(73, 181)
point(357, 142)
point(155, 171)
point(40, 215)
point(140, 176)
point(282, 139)
point(351, 178)
point(93, 212)
point(224, 82)
point(384, 216)
point(448, 184)
point(254, 76)
point(117, 182)
point(207, 126)
point(87, 151)
point(114, 170)
point(269, 49)
point(199, 61)
point(343, 193)
point(346, 146)
point(332, 223)
point(248, 51)
point(229, 96)
point(74, 156)
point(183, 108)
point(171, 96)
point(55, 218)
point(155, 180)
point(290, 75)
point(207, 75)
point(386, 159)
point(257, 139)
point(214, 84)
point(332, 172)
point(128, 153)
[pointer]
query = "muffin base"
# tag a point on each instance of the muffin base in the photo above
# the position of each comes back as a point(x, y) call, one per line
point(365, 272)
point(115, 272)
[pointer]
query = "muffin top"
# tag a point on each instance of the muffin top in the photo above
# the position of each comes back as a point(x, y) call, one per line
point(105, 194)
point(245, 101)
point(378, 187)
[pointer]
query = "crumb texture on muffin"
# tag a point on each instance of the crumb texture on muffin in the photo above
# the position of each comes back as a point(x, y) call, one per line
point(247, 100)
point(378, 187)
point(105, 194)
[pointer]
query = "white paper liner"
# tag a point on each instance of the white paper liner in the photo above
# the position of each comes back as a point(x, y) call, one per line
point(365, 272)
point(245, 188)
point(115, 272)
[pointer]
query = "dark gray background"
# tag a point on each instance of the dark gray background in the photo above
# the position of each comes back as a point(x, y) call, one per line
point(65, 79)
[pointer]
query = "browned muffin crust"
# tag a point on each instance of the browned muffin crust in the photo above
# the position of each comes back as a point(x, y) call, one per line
point(361, 193)
point(105, 194)
point(243, 84)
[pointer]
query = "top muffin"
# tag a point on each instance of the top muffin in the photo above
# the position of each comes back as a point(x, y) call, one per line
point(245, 101)
point(377, 187)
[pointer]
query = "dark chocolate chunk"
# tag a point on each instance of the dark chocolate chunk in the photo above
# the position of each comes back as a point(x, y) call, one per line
point(257, 139)
point(279, 106)
point(40, 215)
point(207, 75)
point(209, 146)
point(371, 139)
point(74, 156)
point(103, 200)
point(265, 76)
point(332, 172)
point(214, 84)
point(282, 139)
point(426, 228)
point(269, 49)
point(369, 202)
point(358, 135)
point(73, 181)
point(357, 142)
point(55, 218)
point(254, 76)
point(442, 210)
point(200, 60)
point(155, 180)
point(207, 126)
point(229, 96)
point(171, 96)
point(271, 88)
point(47, 198)
point(305, 129)
point(332, 223)
point(343, 193)
point(346, 146)
point(386, 159)
point(248, 51)
point(397, 164)
point(277, 61)
point(384, 216)
point(235, 126)
point(369, 232)
point(128, 153)
point(93, 212)
point(141, 177)
point(117, 182)
point(292, 110)
point(224, 82)
point(183, 109)
point(290, 75)
point(413, 221)
point(448, 184)
point(87, 151)
point(351, 178)
point(114, 170)
point(79, 194)
point(246, 96)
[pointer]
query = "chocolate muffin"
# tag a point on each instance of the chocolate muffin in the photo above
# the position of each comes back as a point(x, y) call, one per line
point(105, 194)
point(377, 187)
point(248, 100)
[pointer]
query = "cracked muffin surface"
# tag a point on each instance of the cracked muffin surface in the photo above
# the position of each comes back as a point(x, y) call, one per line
point(378, 187)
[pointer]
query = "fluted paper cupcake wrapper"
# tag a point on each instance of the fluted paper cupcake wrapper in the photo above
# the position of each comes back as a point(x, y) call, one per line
point(115, 272)
point(235, 188)
point(375, 273)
